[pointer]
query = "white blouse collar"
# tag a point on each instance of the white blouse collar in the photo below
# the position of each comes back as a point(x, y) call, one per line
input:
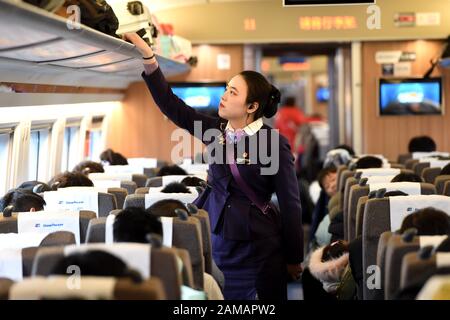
point(251, 128)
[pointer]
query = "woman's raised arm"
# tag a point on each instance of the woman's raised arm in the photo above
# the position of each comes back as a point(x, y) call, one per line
point(173, 107)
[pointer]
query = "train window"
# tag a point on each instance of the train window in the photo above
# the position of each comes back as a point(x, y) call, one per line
point(94, 140)
point(70, 148)
point(5, 147)
point(38, 151)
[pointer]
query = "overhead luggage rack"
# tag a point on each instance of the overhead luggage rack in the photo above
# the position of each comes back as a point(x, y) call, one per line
point(36, 45)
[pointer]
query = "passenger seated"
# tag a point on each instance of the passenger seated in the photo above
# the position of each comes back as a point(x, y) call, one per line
point(445, 170)
point(135, 225)
point(35, 186)
point(193, 182)
point(96, 263)
point(109, 157)
point(320, 219)
point(368, 162)
point(70, 179)
point(428, 222)
point(166, 208)
point(86, 167)
point(330, 265)
point(421, 144)
point(172, 170)
point(21, 200)
point(175, 187)
point(407, 177)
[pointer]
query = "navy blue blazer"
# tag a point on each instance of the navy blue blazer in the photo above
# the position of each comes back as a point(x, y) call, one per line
point(231, 213)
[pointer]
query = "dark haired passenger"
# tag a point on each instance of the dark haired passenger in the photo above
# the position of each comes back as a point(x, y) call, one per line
point(87, 167)
point(421, 144)
point(21, 200)
point(112, 158)
point(175, 187)
point(368, 162)
point(70, 179)
point(407, 177)
point(172, 170)
point(35, 186)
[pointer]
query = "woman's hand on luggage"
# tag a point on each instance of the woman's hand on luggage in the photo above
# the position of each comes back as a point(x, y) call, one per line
point(140, 44)
point(295, 270)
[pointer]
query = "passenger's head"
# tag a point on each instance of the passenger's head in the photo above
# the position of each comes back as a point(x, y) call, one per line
point(368, 162)
point(421, 144)
point(70, 179)
point(445, 170)
point(172, 170)
point(94, 263)
point(289, 102)
point(193, 182)
point(327, 180)
point(334, 250)
point(336, 158)
point(346, 147)
point(134, 225)
point(35, 186)
point(166, 208)
point(86, 167)
point(113, 158)
point(407, 177)
point(175, 187)
point(21, 200)
point(428, 222)
point(249, 96)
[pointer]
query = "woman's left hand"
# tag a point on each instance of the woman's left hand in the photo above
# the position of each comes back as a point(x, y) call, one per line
point(295, 270)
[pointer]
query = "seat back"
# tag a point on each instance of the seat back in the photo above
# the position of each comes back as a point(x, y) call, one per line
point(396, 249)
point(357, 191)
point(91, 288)
point(130, 186)
point(402, 158)
point(106, 203)
point(9, 224)
point(185, 235)
point(120, 195)
point(143, 190)
point(348, 184)
point(378, 219)
point(139, 200)
point(436, 288)
point(419, 167)
point(416, 270)
point(429, 174)
point(447, 189)
point(163, 265)
point(154, 182)
point(410, 163)
point(139, 179)
point(381, 255)
point(439, 182)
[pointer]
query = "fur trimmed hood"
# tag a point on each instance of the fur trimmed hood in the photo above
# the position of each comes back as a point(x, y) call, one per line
point(329, 271)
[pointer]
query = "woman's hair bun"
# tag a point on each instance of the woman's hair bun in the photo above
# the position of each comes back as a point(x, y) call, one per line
point(272, 104)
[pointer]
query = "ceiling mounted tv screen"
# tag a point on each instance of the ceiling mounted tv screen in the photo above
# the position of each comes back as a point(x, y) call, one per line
point(202, 96)
point(410, 96)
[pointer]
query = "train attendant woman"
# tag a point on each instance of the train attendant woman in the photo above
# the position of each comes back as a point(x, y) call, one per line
point(255, 246)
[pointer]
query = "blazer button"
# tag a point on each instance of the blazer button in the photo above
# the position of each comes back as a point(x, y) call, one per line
point(229, 206)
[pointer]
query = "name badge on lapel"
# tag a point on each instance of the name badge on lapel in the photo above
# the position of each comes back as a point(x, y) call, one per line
point(243, 160)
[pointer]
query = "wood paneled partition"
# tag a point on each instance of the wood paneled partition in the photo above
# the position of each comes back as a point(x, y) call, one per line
point(139, 129)
point(389, 135)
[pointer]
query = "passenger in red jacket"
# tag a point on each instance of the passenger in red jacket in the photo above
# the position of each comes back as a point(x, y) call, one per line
point(289, 119)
